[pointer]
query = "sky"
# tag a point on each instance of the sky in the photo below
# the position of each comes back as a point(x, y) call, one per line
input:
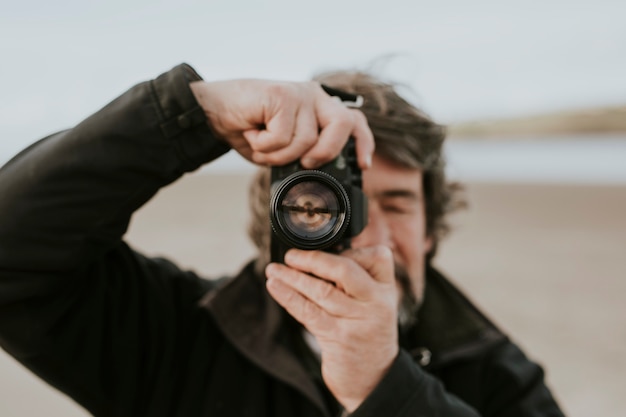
point(462, 60)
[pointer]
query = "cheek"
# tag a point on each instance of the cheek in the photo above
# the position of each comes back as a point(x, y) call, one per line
point(410, 241)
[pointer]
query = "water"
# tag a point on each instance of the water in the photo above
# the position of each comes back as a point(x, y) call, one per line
point(571, 160)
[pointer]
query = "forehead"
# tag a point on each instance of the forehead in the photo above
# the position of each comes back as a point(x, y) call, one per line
point(385, 175)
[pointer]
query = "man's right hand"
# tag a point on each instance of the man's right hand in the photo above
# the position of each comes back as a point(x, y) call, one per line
point(275, 123)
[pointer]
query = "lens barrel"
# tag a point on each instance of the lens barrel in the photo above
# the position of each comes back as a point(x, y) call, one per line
point(309, 210)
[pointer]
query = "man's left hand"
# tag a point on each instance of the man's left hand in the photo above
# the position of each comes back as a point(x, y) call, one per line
point(349, 302)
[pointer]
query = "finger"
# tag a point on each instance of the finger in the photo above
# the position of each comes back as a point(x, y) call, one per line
point(342, 271)
point(305, 136)
point(376, 260)
point(337, 123)
point(314, 318)
point(333, 111)
point(321, 292)
point(278, 132)
point(364, 140)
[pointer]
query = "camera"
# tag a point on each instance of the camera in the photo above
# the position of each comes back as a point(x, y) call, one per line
point(318, 209)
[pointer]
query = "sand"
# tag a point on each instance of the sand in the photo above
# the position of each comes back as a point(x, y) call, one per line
point(546, 262)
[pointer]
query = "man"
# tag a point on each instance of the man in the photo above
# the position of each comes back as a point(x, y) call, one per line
point(125, 335)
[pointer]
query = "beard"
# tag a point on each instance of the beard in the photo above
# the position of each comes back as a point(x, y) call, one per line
point(409, 304)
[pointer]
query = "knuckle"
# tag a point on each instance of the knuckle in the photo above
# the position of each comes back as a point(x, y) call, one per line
point(359, 117)
point(345, 268)
point(305, 140)
point(309, 312)
point(382, 253)
point(309, 138)
point(313, 88)
point(280, 141)
point(281, 90)
point(290, 298)
point(345, 119)
point(324, 289)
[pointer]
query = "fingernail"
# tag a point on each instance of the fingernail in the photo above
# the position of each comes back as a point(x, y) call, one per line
point(368, 161)
point(308, 162)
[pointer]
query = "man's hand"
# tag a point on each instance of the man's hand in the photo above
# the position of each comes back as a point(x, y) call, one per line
point(351, 309)
point(275, 123)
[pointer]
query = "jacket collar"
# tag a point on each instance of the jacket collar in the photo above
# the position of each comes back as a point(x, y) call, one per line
point(449, 328)
point(257, 326)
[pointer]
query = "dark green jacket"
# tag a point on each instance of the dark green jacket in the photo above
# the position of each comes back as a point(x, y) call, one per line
point(125, 335)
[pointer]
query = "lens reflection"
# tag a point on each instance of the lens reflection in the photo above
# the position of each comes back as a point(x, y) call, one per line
point(310, 209)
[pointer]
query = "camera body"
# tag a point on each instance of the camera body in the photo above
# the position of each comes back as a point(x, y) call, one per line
point(319, 209)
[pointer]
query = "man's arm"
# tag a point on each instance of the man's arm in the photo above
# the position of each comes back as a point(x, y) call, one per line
point(69, 197)
point(77, 306)
point(501, 383)
point(352, 314)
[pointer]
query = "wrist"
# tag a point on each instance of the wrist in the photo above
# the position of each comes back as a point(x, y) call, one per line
point(207, 100)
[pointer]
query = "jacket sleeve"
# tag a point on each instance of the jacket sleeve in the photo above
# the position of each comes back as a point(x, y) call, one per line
point(73, 296)
point(503, 383)
point(408, 391)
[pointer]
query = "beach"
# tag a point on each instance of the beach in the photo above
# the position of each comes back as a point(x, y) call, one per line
point(546, 262)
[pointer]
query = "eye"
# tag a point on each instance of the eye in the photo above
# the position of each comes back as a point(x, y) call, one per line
point(398, 203)
point(397, 208)
point(391, 209)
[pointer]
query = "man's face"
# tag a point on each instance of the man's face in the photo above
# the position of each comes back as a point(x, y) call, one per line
point(397, 219)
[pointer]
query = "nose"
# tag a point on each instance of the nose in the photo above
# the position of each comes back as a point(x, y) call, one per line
point(376, 232)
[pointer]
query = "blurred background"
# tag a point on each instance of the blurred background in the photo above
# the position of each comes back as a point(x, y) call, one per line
point(534, 93)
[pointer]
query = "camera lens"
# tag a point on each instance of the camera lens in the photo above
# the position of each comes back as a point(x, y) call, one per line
point(309, 210)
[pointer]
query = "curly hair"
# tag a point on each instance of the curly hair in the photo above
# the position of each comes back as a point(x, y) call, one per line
point(404, 135)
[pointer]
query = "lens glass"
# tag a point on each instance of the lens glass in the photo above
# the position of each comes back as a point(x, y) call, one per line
point(310, 210)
